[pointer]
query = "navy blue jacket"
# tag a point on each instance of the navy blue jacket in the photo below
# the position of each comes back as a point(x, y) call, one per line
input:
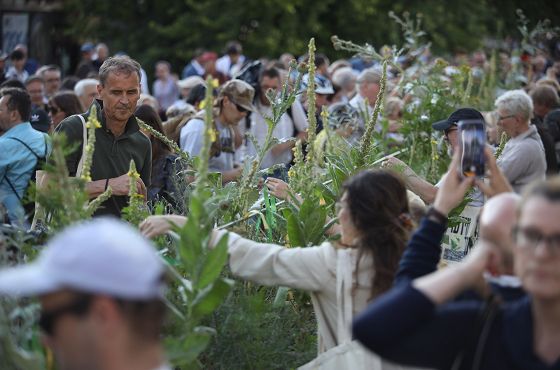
point(406, 327)
point(422, 255)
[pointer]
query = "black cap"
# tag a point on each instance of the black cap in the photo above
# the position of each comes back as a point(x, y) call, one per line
point(455, 117)
point(40, 120)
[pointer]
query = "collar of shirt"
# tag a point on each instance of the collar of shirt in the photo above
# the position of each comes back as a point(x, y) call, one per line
point(530, 132)
point(18, 130)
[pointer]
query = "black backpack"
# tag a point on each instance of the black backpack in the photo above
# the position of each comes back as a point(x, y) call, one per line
point(29, 207)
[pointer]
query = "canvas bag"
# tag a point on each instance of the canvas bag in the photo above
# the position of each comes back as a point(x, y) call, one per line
point(349, 354)
point(41, 178)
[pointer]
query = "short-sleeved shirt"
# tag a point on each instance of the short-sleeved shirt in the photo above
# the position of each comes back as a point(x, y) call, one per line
point(17, 164)
point(283, 130)
point(523, 159)
point(192, 136)
point(112, 155)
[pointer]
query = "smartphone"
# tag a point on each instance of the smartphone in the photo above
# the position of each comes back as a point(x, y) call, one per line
point(472, 141)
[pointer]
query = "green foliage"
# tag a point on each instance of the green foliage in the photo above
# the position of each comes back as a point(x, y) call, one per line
point(253, 333)
point(136, 211)
point(198, 265)
point(166, 29)
point(280, 104)
point(306, 222)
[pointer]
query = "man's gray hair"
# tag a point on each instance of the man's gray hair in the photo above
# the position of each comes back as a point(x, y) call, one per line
point(344, 77)
point(120, 64)
point(369, 75)
point(516, 102)
point(81, 85)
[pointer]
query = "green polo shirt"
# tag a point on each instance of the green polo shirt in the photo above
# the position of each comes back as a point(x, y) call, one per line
point(112, 155)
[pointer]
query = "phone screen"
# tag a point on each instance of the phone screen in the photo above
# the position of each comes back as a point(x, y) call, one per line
point(472, 140)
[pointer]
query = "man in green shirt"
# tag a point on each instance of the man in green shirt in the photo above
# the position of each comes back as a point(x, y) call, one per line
point(118, 140)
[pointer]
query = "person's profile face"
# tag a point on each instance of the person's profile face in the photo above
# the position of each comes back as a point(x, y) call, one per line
point(537, 248)
point(66, 330)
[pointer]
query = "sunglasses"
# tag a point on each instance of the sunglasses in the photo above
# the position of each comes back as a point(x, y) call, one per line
point(78, 307)
point(53, 110)
point(448, 131)
point(240, 108)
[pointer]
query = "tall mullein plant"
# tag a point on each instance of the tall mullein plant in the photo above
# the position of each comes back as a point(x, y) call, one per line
point(91, 125)
point(137, 210)
point(280, 104)
point(200, 258)
point(63, 198)
point(366, 143)
point(170, 143)
point(302, 171)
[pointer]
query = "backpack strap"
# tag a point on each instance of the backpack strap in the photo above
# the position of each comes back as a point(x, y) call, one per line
point(84, 143)
point(36, 156)
point(29, 148)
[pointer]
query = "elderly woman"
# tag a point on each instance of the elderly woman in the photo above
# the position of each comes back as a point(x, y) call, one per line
point(523, 158)
point(417, 324)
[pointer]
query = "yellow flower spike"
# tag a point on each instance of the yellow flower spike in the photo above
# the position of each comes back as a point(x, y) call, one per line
point(215, 83)
point(134, 174)
point(96, 123)
point(202, 104)
point(325, 115)
point(212, 135)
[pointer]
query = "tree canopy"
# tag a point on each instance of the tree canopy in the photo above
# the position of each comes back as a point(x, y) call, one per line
point(150, 30)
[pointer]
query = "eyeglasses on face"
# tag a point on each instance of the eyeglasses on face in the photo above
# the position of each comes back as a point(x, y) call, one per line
point(530, 238)
point(501, 118)
point(240, 108)
point(78, 307)
point(448, 131)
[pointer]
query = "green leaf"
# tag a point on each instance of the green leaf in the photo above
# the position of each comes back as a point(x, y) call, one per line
point(209, 298)
point(295, 231)
point(185, 353)
point(216, 258)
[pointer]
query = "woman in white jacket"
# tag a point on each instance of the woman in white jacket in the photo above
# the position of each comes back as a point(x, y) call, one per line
point(341, 277)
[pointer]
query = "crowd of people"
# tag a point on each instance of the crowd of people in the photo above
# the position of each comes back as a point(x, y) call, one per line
point(495, 307)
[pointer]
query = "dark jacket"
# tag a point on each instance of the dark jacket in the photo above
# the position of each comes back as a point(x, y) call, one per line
point(406, 327)
point(111, 157)
point(422, 255)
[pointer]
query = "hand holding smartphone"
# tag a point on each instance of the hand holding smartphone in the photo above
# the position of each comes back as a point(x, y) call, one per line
point(472, 141)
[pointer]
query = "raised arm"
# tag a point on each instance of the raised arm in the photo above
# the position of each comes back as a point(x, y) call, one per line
point(268, 264)
point(422, 254)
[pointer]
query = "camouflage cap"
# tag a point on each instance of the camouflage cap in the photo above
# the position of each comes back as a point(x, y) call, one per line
point(239, 92)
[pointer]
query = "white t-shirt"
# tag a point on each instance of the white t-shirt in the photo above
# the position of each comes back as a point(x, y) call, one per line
point(191, 138)
point(283, 130)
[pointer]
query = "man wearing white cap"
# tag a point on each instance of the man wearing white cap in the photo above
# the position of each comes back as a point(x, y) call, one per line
point(100, 285)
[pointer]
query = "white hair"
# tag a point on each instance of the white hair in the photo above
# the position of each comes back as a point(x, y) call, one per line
point(81, 85)
point(344, 77)
point(516, 102)
point(369, 75)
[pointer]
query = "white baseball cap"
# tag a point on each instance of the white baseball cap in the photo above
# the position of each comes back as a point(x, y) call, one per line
point(102, 256)
point(190, 82)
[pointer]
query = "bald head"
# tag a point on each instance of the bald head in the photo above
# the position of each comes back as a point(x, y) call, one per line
point(497, 220)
